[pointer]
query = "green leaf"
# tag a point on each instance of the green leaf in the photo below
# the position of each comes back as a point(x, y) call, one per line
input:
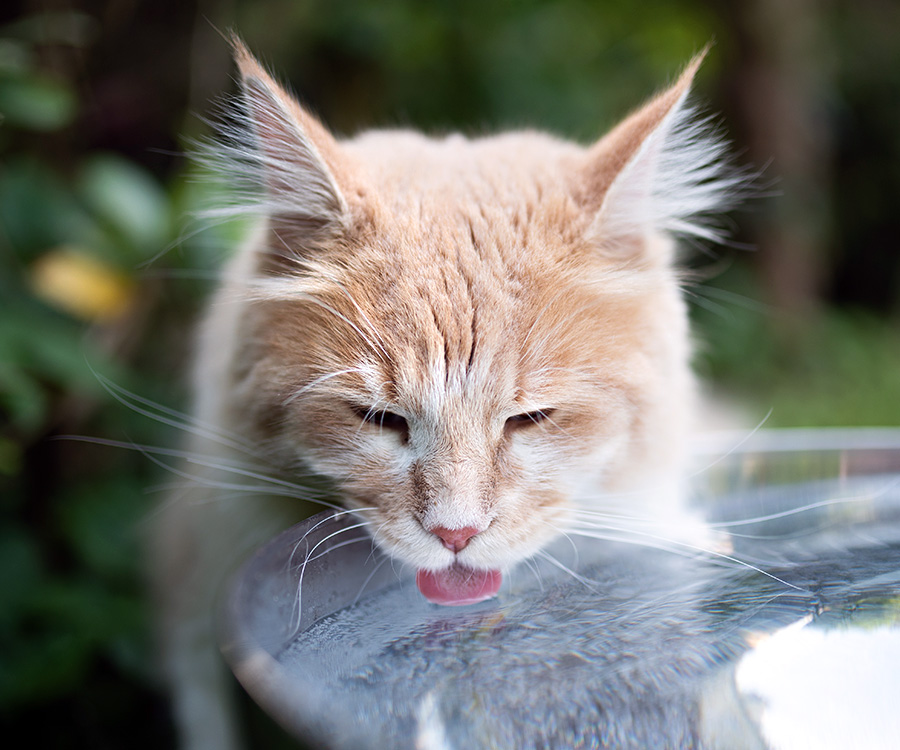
point(36, 210)
point(22, 400)
point(20, 573)
point(128, 199)
point(41, 666)
point(10, 457)
point(100, 520)
point(16, 57)
point(36, 103)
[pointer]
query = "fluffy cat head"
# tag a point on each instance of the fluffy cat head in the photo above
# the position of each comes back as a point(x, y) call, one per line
point(471, 338)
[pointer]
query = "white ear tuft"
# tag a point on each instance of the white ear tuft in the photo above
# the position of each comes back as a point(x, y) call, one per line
point(678, 182)
point(298, 181)
point(276, 158)
point(663, 170)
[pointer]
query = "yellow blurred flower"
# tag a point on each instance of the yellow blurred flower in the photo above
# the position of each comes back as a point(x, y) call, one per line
point(71, 280)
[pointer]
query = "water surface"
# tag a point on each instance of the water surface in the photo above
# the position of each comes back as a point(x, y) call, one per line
point(638, 648)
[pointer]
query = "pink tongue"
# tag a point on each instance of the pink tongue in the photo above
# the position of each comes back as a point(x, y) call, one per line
point(457, 585)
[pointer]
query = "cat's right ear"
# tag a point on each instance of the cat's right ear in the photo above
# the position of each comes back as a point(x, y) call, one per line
point(296, 158)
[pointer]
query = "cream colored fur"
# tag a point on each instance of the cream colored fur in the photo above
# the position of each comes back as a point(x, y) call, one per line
point(449, 286)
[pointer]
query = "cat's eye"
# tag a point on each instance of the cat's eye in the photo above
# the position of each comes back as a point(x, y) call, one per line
point(384, 419)
point(528, 419)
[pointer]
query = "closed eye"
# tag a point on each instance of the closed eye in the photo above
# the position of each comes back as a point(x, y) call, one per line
point(384, 419)
point(528, 419)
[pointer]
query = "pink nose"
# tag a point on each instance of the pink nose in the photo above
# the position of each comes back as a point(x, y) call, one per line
point(454, 539)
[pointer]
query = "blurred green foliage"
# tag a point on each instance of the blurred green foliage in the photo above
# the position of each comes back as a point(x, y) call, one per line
point(74, 622)
point(841, 369)
point(571, 67)
point(101, 268)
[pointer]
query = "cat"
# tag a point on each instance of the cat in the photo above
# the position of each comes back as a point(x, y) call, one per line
point(475, 344)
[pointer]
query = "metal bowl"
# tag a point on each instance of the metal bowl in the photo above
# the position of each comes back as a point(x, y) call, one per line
point(789, 639)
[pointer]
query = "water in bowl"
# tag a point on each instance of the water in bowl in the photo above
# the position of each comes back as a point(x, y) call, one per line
point(623, 646)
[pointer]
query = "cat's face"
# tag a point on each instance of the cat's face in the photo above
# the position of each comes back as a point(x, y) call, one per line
point(453, 372)
point(464, 335)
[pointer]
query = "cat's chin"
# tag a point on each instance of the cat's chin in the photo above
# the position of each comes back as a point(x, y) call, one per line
point(458, 585)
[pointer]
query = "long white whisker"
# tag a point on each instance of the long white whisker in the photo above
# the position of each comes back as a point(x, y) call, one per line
point(688, 546)
point(369, 577)
point(588, 514)
point(735, 448)
point(309, 556)
point(271, 485)
point(810, 506)
point(343, 543)
point(577, 576)
point(567, 537)
point(310, 530)
point(536, 571)
point(174, 419)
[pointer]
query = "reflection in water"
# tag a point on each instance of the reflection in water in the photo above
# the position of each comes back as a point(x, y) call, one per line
point(648, 649)
point(825, 687)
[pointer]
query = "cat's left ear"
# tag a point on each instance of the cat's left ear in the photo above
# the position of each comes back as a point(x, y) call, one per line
point(658, 171)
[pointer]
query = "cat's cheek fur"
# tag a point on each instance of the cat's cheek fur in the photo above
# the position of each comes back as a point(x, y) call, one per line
point(517, 515)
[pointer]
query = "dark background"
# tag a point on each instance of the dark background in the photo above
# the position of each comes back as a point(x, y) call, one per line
point(102, 266)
